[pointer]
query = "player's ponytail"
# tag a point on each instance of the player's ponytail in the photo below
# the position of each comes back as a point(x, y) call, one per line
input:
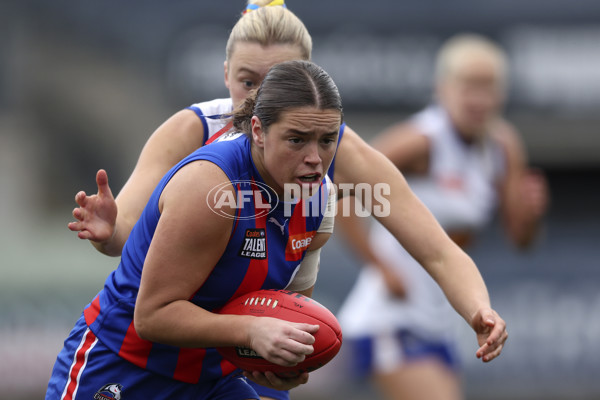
point(242, 115)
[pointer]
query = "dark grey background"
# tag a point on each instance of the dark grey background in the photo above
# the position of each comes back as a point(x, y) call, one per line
point(83, 84)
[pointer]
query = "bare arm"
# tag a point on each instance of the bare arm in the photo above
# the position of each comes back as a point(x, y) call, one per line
point(409, 151)
point(405, 146)
point(523, 192)
point(419, 232)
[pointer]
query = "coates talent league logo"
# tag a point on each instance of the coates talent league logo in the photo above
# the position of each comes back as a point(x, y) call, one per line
point(221, 199)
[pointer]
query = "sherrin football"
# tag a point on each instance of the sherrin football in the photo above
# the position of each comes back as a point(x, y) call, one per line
point(289, 306)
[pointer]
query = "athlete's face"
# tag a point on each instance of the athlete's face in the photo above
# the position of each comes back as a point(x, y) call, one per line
point(297, 149)
point(472, 94)
point(250, 62)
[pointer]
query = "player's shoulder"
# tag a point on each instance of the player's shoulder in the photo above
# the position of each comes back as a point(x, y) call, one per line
point(215, 107)
point(431, 121)
point(405, 133)
point(231, 152)
point(231, 145)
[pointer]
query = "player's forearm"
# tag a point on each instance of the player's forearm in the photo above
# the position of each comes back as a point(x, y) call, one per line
point(413, 225)
point(420, 234)
point(184, 324)
point(462, 283)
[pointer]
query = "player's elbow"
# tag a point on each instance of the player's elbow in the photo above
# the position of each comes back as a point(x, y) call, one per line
point(143, 324)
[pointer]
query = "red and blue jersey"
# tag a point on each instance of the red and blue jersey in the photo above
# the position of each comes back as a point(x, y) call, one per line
point(264, 252)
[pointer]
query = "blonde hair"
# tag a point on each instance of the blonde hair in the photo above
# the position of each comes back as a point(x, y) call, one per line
point(268, 26)
point(463, 47)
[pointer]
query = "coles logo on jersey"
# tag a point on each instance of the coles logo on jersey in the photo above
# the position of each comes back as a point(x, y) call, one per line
point(255, 244)
point(297, 244)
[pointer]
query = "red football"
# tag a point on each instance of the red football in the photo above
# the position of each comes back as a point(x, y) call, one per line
point(289, 306)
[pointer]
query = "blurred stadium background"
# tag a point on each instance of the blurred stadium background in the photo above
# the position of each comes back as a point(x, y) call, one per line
point(83, 84)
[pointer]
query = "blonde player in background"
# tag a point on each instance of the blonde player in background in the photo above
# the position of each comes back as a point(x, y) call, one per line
point(464, 161)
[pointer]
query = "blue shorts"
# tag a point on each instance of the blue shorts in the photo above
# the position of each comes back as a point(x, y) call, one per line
point(86, 369)
point(372, 353)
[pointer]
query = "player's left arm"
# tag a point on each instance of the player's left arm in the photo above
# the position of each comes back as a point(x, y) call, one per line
point(188, 242)
point(413, 225)
point(523, 191)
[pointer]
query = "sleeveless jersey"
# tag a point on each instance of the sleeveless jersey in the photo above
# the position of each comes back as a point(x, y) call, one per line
point(460, 186)
point(214, 115)
point(459, 190)
point(264, 251)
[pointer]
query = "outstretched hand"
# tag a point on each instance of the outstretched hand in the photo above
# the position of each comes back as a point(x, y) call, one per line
point(97, 214)
point(491, 333)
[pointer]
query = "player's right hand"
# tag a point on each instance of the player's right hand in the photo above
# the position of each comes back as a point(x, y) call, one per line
point(491, 333)
point(282, 342)
point(97, 214)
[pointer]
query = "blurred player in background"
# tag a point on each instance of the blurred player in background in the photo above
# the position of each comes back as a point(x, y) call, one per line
point(266, 34)
point(464, 161)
